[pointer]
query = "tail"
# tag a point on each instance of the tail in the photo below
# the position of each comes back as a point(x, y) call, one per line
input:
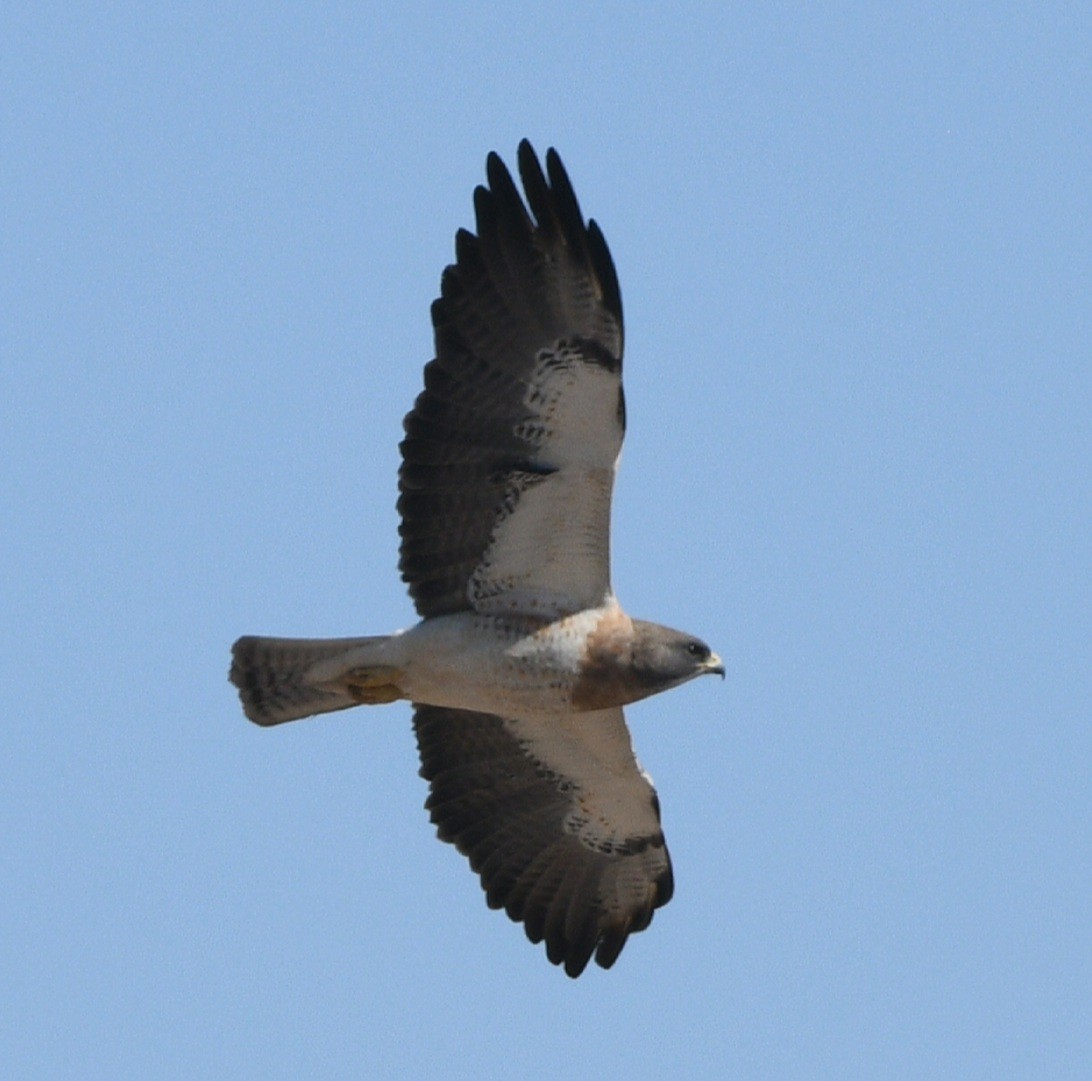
point(284, 679)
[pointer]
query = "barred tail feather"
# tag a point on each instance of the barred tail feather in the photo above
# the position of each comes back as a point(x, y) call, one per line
point(274, 676)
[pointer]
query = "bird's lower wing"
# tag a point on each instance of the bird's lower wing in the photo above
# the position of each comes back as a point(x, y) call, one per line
point(557, 818)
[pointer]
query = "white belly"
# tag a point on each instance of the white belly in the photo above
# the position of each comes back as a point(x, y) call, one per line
point(491, 664)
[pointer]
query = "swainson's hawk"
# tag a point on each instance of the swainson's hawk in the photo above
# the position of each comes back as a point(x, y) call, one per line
point(522, 660)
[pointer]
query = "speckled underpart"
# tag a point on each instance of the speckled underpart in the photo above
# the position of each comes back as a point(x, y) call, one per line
point(511, 666)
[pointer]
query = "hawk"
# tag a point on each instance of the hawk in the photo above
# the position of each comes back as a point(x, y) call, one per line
point(522, 659)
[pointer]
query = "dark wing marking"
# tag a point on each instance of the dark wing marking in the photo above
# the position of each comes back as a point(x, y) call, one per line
point(557, 818)
point(509, 454)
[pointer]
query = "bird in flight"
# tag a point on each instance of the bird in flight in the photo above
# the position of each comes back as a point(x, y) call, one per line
point(522, 658)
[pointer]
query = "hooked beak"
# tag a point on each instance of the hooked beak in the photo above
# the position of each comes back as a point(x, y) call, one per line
point(713, 666)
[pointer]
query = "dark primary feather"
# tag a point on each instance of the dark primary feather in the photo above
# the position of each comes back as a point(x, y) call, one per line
point(508, 812)
point(525, 283)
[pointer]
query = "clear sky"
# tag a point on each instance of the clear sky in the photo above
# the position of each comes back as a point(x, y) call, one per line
point(854, 246)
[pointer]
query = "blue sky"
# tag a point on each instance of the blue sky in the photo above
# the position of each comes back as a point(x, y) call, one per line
point(854, 246)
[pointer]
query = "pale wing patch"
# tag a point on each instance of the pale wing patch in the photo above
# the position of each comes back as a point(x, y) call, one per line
point(550, 550)
point(613, 799)
point(574, 406)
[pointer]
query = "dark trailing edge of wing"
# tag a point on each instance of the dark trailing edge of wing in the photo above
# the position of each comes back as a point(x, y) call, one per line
point(507, 813)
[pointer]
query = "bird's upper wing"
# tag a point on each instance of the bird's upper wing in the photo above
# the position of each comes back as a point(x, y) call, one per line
point(557, 818)
point(509, 456)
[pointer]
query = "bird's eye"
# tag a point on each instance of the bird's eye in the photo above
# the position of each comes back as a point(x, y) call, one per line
point(696, 649)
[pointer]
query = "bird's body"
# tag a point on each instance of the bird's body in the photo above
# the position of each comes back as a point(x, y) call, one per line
point(508, 664)
point(522, 658)
point(466, 660)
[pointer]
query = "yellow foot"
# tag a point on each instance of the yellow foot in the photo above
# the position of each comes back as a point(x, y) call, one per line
point(373, 686)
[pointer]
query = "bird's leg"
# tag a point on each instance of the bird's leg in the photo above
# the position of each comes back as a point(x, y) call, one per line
point(373, 685)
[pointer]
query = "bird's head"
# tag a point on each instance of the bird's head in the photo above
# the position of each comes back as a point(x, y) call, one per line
point(663, 658)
